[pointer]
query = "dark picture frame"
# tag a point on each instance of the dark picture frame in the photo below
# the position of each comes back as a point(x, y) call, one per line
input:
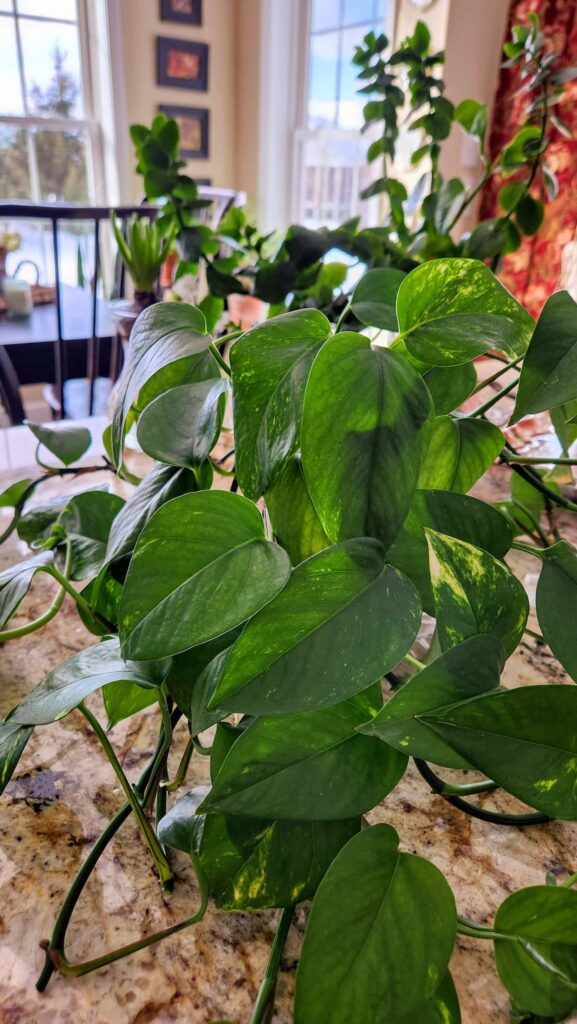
point(193, 125)
point(187, 12)
point(182, 64)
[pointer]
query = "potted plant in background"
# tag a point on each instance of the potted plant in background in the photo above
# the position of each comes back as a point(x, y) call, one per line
point(144, 249)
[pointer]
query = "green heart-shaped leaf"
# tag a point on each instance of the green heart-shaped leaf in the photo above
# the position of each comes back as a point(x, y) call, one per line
point(450, 386)
point(460, 450)
point(158, 487)
point(314, 766)
point(15, 583)
point(474, 593)
point(201, 566)
point(270, 367)
point(293, 517)
point(525, 739)
point(456, 515)
point(549, 373)
point(556, 603)
point(353, 965)
point(452, 310)
point(343, 619)
point(374, 299)
point(539, 967)
point(464, 671)
point(364, 428)
point(67, 443)
point(181, 426)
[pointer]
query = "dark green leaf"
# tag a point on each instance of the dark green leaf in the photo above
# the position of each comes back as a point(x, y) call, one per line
point(365, 421)
point(557, 601)
point(314, 766)
point(189, 370)
point(68, 684)
point(251, 864)
point(162, 334)
point(187, 669)
point(87, 519)
point(342, 620)
point(457, 515)
point(459, 452)
point(12, 495)
point(463, 671)
point(13, 739)
point(15, 583)
point(67, 443)
point(294, 520)
point(36, 524)
point(474, 593)
point(524, 739)
point(449, 386)
point(201, 566)
point(379, 936)
point(270, 367)
point(511, 194)
point(473, 117)
point(452, 310)
point(539, 967)
point(549, 373)
point(125, 698)
point(374, 299)
point(181, 426)
point(529, 214)
point(158, 487)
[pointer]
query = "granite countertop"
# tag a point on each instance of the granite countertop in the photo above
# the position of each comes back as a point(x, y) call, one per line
point(64, 792)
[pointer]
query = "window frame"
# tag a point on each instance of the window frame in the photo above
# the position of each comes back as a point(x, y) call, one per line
point(86, 124)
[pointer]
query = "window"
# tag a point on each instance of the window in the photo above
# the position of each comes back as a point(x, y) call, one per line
point(331, 153)
point(48, 139)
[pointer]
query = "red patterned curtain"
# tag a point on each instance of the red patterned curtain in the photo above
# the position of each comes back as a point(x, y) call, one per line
point(533, 272)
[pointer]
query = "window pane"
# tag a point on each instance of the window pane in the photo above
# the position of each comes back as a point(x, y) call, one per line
point(323, 68)
point(65, 9)
point(52, 68)
point(358, 11)
point(10, 91)
point(14, 174)
point(351, 104)
point(5, 5)
point(62, 162)
point(325, 14)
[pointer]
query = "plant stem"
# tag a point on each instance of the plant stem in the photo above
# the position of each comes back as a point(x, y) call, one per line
point(262, 1007)
point(477, 931)
point(533, 520)
point(31, 627)
point(63, 965)
point(415, 662)
point(221, 362)
point(518, 546)
point(342, 318)
point(493, 817)
point(536, 636)
point(492, 401)
point(545, 461)
point(181, 770)
point(569, 881)
point(86, 868)
point(149, 835)
point(498, 373)
point(469, 788)
point(527, 474)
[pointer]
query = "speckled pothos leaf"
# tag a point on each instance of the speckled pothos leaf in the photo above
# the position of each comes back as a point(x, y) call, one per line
point(250, 864)
point(474, 593)
point(524, 739)
point(365, 427)
point(379, 936)
point(451, 310)
point(270, 368)
point(13, 739)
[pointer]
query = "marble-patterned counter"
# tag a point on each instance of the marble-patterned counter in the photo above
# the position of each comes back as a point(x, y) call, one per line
point(63, 793)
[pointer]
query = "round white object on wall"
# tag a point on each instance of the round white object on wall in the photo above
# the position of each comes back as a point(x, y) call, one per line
point(422, 4)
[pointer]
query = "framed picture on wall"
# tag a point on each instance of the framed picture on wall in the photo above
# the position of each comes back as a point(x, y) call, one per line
point(193, 127)
point(182, 64)
point(187, 11)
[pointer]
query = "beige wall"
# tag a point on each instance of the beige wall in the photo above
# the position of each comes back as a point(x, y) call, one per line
point(140, 25)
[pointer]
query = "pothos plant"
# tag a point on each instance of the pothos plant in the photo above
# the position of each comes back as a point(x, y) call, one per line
point(407, 93)
point(278, 618)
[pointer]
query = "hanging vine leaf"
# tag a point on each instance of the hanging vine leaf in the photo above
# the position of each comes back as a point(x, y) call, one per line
point(270, 368)
point(524, 739)
point(201, 566)
point(452, 310)
point(343, 619)
point(556, 603)
point(474, 593)
point(549, 373)
point(354, 960)
point(16, 581)
point(374, 299)
point(364, 429)
point(460, 451)
point(182, 425)
point(67, 443)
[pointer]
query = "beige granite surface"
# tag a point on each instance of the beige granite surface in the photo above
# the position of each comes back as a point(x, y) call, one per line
point(63, 793)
